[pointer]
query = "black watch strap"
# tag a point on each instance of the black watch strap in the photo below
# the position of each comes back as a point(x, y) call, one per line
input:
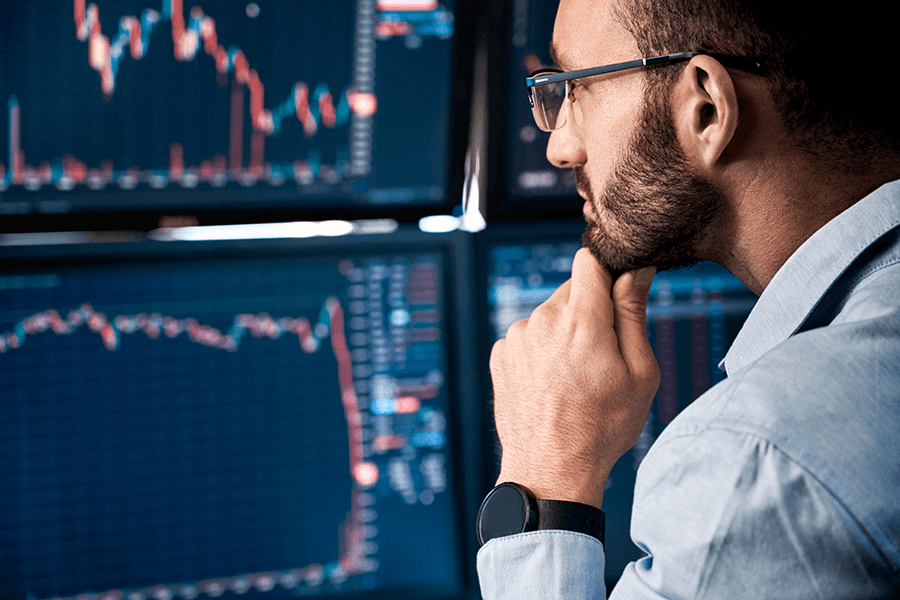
point(571, 516)
point(511, 508)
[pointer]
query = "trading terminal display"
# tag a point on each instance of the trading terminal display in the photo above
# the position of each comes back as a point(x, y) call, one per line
point(693, 315)
point(227, 421)
point(530, 184)
point(159, 105)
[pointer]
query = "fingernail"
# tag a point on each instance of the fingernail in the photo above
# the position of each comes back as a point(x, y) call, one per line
point(644, 277)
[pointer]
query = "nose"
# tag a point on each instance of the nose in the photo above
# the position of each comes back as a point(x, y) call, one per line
point(565, 148)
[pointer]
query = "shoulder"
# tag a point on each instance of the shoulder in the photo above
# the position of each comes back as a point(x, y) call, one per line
point(828, 398)
point(819, 414)
point(786, 473)
point(825, 393)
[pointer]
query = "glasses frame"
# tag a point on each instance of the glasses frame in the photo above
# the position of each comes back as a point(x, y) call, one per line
point(550, 75)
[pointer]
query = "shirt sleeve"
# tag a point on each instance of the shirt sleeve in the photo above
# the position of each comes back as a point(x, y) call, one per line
point(542, 565)
point(720, 514)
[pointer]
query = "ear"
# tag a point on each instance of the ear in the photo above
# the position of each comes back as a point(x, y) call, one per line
point(705, 110)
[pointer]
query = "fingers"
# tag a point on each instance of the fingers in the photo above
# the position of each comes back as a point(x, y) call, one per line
point(590, 280)
point(629, 296)
point(597, 304)
point(592, 289)
point(573, 383)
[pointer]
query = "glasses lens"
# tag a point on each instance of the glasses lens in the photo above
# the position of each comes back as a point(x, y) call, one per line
point(548, 105)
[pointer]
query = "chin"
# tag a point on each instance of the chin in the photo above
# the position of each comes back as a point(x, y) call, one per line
point(620, 253)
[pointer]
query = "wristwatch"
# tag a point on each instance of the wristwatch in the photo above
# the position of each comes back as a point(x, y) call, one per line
point(511, 508)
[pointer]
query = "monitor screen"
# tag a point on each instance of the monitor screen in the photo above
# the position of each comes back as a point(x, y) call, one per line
point(528, 184)
point(693, 315)
point(114, 111)
point(185, 421)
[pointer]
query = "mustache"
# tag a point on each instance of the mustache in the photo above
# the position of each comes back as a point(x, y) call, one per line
point(582, 183)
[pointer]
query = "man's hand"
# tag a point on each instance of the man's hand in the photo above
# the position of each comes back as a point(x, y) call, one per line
point(574, 382)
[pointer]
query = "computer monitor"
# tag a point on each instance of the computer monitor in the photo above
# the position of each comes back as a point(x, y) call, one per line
point(263, 419)
point(527, 185)
point(693, 316)
point(115, 114)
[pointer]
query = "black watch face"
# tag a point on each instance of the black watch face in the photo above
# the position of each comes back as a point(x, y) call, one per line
point(505, 511)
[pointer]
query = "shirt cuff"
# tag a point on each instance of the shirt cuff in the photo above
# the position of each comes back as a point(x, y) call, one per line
point(541, 565)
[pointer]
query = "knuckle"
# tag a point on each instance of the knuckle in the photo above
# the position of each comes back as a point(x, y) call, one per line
point(632, 309)
point(517, 329)
point(543, 309)
point(654, 378)
point(646, 378)
point(546, 314)
point(648, 369)
point(497, 353)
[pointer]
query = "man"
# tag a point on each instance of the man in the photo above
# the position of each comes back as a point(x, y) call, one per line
point(766, 153)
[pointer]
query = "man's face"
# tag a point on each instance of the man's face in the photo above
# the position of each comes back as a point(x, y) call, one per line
point(644, 205)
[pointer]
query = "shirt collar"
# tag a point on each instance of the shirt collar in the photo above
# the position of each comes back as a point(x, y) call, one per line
point(810, 271)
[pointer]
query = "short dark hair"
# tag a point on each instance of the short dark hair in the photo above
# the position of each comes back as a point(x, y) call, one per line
point(827, 66)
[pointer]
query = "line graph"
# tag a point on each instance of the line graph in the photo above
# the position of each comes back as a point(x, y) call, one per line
point(200, 32)
point(365, 474)
point(155, 325)
point(314, 108)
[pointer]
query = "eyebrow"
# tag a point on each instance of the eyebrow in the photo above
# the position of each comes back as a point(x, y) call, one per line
point(555, 54)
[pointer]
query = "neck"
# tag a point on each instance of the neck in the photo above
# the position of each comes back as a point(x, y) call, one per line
point(773, 211)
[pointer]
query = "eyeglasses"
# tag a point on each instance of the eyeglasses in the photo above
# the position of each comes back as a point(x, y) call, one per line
point(549, 88)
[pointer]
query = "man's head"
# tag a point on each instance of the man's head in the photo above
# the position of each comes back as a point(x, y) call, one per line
point(649, 146)
point(826, 66)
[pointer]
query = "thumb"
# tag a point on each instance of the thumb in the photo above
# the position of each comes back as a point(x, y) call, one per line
point(629, 295)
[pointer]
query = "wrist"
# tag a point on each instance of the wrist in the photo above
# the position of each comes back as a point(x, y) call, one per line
point(583, 490)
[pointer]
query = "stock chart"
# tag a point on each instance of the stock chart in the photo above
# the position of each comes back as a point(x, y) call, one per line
point(265, 427)
point(141, 104)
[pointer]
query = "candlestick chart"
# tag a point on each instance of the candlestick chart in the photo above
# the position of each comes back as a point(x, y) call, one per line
point(247, 426)
point(110, 104)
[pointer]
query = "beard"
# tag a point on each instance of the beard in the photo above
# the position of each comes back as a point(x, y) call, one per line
point(656, 209)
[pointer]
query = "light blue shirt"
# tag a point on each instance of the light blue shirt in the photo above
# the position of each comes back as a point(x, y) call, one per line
point(783, 481)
